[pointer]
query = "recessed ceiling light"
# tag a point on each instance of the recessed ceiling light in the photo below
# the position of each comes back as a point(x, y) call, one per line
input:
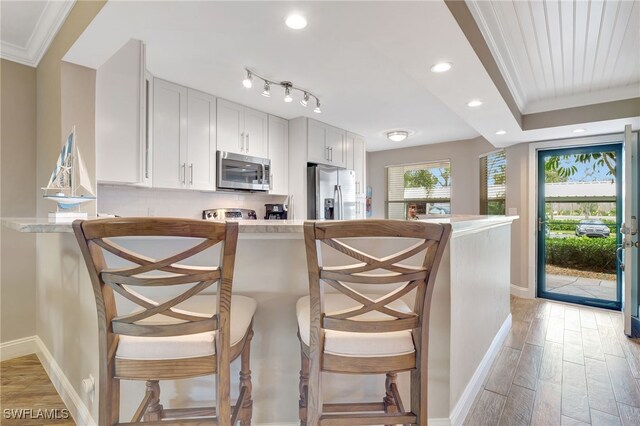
point(296, 22)
point(501, 132)
point(474, 103)
point(441, 67)
point(398, 135)
point(579, 130)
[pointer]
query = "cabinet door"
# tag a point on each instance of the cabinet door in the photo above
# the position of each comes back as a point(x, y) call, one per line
point(336, 139)
point(230, 127)
point(317, 142)
point(170, 135)
point(120, 117)
point(201, 147)
point(348, 149)
point(279, 155)
point(256, 133)
point(359, 165)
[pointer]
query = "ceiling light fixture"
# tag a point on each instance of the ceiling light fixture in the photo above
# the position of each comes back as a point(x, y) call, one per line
point(296, 22)
point(248, 81)
point(474, 103)
point(288, 89)
point(267, 90)
point(305, 100)
point(441, 67)
point(579, 130)
point(501, 132)
point(397, 135)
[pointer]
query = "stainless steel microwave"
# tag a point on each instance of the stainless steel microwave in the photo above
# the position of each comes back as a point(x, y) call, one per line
point(243, 172)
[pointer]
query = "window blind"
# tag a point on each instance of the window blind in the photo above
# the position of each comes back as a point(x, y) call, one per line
point(493, 183)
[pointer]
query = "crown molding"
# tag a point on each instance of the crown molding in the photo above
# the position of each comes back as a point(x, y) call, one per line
point(50, 21)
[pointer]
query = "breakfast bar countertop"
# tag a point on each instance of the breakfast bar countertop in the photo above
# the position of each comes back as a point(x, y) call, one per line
point(459, 223)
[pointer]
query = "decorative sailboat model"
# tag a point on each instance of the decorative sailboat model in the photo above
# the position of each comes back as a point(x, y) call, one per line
point(68, 178)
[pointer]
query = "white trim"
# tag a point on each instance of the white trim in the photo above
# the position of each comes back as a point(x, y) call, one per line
point(533, 189)
point(461, 410)
point(49, 23)
point(70, 397)
point(18, 347)
point(522, 292)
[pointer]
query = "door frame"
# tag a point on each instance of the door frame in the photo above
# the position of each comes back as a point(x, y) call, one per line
point(540, 212)
point(532, 212)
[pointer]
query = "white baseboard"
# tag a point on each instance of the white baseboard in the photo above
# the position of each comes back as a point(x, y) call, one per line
point(522, 292)
point(70, 397)
point(461, 410)
point(18, 347)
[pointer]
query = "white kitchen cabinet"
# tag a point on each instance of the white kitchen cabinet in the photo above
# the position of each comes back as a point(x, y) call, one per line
point(184, 137)
point(361, 206)
point(326, 144)
point(242, 130)
point(279, 155)
point(201, 140)
point(359, 165)
point(123, 98)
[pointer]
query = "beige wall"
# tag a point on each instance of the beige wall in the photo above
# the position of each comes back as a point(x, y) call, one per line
point(465, 170)
point(517, 197)
point(18, 186)
point(65, 318)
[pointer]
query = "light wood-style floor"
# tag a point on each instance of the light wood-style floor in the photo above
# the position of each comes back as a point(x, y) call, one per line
point(562, 365)
point(25, 385)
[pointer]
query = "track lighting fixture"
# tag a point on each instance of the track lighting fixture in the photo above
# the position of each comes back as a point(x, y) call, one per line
point(248, 81)
point(266, 92)
point(288, 89)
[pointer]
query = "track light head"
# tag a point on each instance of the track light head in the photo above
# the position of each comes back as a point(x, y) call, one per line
point(287, 94)
point(266, 92)
point(305, 100)
point(317, 108)
point(248, 81)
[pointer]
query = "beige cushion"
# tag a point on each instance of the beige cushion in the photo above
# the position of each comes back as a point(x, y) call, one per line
point(192, 345)
point(357, 344)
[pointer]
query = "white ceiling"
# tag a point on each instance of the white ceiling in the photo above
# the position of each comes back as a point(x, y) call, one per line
point(367, 61)
point(560, 54)
point(28, 27)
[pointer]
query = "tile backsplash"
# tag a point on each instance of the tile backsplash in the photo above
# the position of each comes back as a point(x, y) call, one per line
point(134, 201)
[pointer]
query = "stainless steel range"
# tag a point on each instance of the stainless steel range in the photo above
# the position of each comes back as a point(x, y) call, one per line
point(229, 214)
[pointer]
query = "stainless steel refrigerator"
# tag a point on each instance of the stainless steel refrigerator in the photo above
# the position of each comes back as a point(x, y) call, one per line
point(331, 193)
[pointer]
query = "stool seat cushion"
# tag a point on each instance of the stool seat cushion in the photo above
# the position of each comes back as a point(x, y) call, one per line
point(191, 345)
point(344, 343)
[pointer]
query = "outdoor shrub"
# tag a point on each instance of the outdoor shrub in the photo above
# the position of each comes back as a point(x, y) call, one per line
point(570, 225)
point(589, 254)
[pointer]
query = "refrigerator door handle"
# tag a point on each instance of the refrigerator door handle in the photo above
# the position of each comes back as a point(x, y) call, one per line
point(341, 204)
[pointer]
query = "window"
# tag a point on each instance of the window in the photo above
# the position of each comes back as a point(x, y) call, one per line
point(493, 182)
point(416, 190)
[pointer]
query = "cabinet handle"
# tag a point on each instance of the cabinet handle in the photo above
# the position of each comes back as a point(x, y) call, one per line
point(241, 141)
point(331, 154)
point(326, 155)
point(184, 173)
point(191, 174)
point(247, 147)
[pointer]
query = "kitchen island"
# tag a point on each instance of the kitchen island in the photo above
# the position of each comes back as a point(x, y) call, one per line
point(470, 318)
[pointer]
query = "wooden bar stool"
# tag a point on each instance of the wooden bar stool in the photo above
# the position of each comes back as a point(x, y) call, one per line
point(188, 335)
point(354, 332)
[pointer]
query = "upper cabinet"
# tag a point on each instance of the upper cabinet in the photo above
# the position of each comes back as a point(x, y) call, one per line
point(184, 137)
point(326, 144)
point(279, 155)
point(242, 130)
point(123, 103)
point(356, 161)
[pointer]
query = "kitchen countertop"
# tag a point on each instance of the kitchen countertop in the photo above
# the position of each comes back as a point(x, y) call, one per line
point(459, 222)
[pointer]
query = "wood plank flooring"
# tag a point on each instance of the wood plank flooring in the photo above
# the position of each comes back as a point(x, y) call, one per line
point(561, 365)
point(25, 385)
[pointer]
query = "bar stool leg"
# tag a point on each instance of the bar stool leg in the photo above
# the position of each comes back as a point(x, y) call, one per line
point(390, 403)
point(245, 381)
point(304, 388)
point(154, 412)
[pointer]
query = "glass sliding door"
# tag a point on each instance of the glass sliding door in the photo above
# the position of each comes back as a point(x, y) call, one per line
point(579, 218)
